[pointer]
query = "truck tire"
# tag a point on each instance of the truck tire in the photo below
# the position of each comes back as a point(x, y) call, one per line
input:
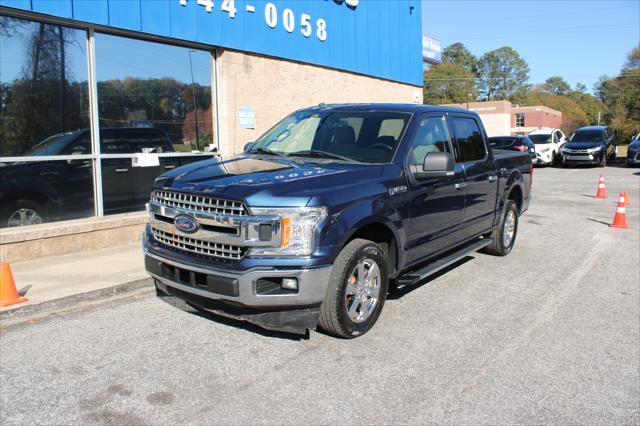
point(22, 212)
point(504, 236)
point(357, 290)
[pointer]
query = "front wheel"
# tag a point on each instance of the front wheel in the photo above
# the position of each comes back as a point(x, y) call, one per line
point(357, 290)
point(504, 236)
point(603, 161)
point(22, 213)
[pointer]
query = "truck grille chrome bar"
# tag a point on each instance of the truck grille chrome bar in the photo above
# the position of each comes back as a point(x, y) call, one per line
point(204, 248)
point(199, 203)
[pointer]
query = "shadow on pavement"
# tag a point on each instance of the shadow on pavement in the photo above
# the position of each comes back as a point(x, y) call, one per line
point(186, 307)
point(597, 221)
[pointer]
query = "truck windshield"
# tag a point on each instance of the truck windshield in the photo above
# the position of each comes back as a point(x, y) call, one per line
point(53, 145)
point(541, 138)
point(588, 136)
point(370, 136)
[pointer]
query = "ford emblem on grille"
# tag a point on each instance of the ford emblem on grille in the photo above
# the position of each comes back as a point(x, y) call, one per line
point(186, 223)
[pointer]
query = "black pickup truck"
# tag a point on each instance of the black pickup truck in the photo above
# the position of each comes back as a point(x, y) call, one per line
point(314, 221)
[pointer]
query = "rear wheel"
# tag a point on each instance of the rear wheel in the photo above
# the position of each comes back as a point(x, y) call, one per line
point(504, 236)
point(357, 290)
point(22, 213)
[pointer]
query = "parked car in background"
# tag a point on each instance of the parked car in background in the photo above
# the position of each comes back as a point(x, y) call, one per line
point(514, 143)
point(590, 145)
point(633, 151)
point(549, 143)
point(33, 192)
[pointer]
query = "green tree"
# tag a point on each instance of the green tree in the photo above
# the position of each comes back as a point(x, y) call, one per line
point(448, 83)
point(580, 88)
point(556, 85)
point(621, 95)
point(458, 54)
point(503, 75)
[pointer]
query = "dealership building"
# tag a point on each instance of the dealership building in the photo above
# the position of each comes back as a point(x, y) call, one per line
point(97, 98)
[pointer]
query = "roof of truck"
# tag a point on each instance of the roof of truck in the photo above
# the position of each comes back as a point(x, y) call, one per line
point(389, 107)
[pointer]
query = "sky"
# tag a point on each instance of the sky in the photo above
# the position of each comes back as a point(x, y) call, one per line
point(577, 40)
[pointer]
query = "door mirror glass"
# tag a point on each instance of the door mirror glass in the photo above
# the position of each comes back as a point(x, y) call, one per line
point(436, 164)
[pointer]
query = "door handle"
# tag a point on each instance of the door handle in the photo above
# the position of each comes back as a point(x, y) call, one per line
point(170, 166)
point(493, 178)
point(460, 185)
point(122, 170)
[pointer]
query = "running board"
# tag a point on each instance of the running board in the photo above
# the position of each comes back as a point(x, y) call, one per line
point(416, 276)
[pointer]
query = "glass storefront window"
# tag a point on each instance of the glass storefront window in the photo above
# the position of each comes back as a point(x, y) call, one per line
point(43, 80)
point(151, 85)
point(33, 192)
point(44, 111)
point(153, 98)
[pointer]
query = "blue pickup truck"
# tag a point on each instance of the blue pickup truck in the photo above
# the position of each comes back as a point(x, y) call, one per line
point(316, 219)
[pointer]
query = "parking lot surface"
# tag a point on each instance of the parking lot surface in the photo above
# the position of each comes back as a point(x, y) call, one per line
point(548, 334)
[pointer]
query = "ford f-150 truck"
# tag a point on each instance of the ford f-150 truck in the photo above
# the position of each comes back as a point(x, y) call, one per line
point(310, 225)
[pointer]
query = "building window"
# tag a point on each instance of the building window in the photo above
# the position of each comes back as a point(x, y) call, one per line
point(44, 111)
point(519, 119)
point(152, 98)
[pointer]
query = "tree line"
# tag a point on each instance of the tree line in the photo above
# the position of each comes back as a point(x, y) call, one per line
point(502, 74)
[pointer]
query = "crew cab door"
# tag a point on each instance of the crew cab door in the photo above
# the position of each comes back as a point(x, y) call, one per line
point(437, 204)
point(480, 174)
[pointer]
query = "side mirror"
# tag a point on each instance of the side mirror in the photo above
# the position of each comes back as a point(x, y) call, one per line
point(248, 146)
point(436, 164)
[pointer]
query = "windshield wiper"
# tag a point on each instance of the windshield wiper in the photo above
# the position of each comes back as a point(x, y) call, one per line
point(265, 151)
point(321, 154)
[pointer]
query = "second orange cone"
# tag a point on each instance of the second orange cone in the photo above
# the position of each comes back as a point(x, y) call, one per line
point(620, 219)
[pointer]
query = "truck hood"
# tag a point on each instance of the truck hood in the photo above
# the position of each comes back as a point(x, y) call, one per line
point(583, 145)
point(267, 181)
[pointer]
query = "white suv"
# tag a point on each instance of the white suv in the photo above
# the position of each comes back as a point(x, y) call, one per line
point(549, 143)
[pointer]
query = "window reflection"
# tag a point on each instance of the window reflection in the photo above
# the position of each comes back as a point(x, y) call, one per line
point(43, 83)
point(44, 191)
point(151, 85)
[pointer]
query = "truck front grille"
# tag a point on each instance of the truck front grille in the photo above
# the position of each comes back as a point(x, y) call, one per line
point(198, 203)
point(201, 247)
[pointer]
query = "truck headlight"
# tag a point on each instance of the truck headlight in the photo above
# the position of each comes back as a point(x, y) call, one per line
point(298, 226)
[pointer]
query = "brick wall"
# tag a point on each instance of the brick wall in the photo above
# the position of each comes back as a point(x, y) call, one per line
point(274, 88)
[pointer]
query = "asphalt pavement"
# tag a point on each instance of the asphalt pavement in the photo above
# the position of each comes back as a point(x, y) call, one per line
point(548, 334)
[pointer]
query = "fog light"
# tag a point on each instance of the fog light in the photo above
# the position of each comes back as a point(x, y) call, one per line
point(289, 283)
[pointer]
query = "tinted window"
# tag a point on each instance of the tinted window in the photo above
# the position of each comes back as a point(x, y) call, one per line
point(431, 136)
point(588, 136)
point(540, 138)
point(469, 137)
point(502, 142)
point(43, 84)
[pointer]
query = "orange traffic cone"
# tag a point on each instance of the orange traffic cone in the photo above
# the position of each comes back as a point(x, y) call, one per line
point(620, 219)
point(602, 192)
point(627, 201)
point(8, 293)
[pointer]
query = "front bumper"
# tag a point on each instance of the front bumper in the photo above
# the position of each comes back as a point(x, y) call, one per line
point(235, 293)
point(581, 158)
point(543, 157)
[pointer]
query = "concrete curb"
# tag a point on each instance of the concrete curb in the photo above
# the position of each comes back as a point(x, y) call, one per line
point(27, 313)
